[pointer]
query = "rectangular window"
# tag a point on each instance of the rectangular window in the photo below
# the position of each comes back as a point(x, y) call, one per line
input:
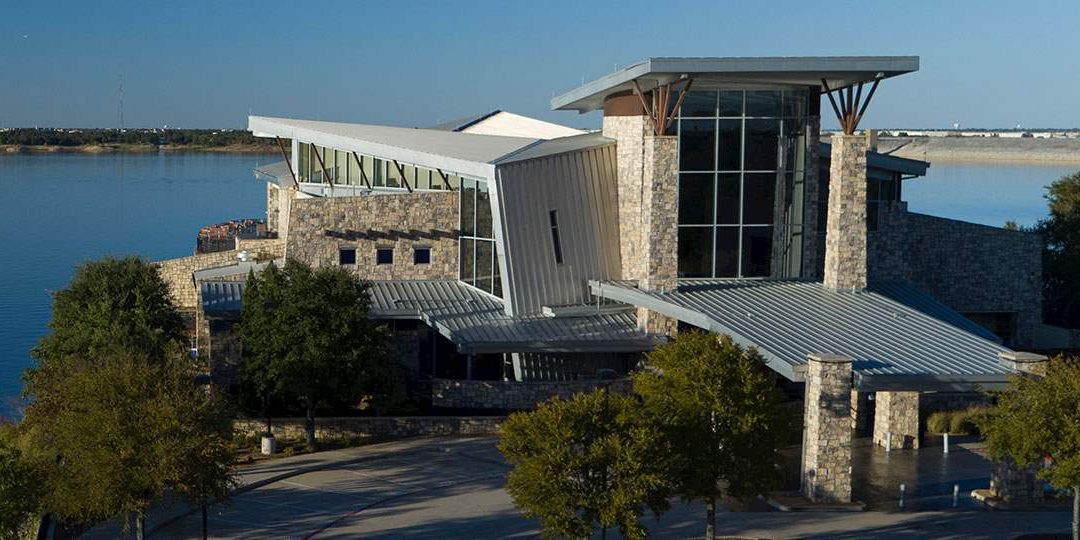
point(347, 255)
point(421, 255)
point(553, 218)
point(384, 256)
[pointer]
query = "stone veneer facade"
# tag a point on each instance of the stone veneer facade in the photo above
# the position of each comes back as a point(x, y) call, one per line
point(826, 452)
point(813, 239)
point(845, 232)
point(896, 413)
point(178, 273)
point(318, 228)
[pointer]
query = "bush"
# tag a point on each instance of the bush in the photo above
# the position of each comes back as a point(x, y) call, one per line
point(939, 422)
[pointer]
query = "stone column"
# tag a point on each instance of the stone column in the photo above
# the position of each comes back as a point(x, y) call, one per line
point(845, 230)
point(1008, 480)
point(659, 226)
point(896, 413)
point(629, 134)
point(813, 239)
point(1025, 362)
point(826, 453)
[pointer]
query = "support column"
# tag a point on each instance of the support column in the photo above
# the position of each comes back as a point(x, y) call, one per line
point(826, 453)
point(1008, 480)
point(659, 226)
point(845, 231)
point(896, 413)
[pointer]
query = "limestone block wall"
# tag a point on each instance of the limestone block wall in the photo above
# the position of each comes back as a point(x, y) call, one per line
point(845, 232)
point(887, 247)
point(319, 227)
point(511, 395)
point(813, 237)
point(826, 467)
point(374, 428)
point(896, 413)
point(177, 273)
point(272, 207)
point(977, 268)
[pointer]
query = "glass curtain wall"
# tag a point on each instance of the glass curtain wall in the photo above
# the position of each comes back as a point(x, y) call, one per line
point(741, 158)
point(478, 262)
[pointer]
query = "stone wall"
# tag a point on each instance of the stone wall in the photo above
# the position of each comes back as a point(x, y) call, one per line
point(273, 203)
point(845, 232)
point(813, 237)
point(826, 467)
point(375, 428)
point(318, 228)
point(510, 395)
point(887, 247)
point(977, 268)
point(178, 273)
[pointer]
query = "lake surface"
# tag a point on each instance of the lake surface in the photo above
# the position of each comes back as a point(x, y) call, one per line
point(58, 210)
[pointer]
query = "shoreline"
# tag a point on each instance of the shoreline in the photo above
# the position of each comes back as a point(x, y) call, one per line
point(984, 149)
point(136, 149)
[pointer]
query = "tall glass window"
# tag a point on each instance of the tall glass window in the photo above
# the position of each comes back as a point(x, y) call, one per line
point(741, 158)
point(478, 262)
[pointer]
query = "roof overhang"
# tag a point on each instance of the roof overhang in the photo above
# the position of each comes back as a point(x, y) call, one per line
point(838, 72)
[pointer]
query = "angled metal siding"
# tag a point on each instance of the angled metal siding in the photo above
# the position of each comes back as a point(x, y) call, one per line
point(581, 187)
point(787, 320)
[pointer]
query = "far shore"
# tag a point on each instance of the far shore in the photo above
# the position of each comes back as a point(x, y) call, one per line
point(136, 149)
point(983, 149)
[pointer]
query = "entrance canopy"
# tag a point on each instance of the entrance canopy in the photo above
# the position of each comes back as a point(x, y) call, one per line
point(899, 338)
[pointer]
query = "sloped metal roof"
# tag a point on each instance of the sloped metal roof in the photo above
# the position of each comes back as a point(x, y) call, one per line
point(473, 320)
point(892, 343)
point(476, 323)
point(557, 146)
point(462, 123)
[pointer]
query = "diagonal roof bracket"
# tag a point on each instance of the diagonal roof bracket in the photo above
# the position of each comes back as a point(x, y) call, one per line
point(851, 106)
point(658, 112)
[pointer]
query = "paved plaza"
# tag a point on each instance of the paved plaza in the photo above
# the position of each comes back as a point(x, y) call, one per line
point(452, 488)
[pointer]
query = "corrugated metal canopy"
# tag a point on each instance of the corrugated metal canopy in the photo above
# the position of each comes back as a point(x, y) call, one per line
point(786, 320)
point(713, 71)
point(473, 320)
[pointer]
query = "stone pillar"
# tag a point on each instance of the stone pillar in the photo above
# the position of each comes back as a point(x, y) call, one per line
point(826, 453)
point(896, 413)
point(629, 134)
point(813, 239)
point(845, 230)
point(1025, 362)
point(659, 226)
point(1008, 480)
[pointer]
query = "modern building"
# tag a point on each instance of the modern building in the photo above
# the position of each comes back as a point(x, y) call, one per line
point(517, 259)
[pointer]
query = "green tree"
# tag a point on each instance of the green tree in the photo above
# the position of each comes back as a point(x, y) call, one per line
point(584, 462)
point(1037, 417)
point(1061, 256)
point(720, 413)
point(126, 429)
point(20, 488)
point(110, 305)
point(307, 333)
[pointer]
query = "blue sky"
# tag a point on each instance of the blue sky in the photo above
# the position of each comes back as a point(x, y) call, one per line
point(208, 64)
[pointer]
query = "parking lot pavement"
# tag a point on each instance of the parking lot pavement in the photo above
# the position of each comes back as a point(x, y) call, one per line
point(452, 488)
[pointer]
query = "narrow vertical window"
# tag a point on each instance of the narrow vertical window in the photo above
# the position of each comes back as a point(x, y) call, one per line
point(553, 218)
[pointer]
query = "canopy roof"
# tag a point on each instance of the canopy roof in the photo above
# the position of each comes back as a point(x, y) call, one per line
point(902, 339)
point(838, 71)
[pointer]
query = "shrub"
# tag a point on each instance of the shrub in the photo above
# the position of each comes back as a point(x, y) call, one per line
point(966, 422)
point(939, 422)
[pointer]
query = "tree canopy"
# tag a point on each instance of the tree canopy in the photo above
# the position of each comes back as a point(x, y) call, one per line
point(720, 413)
point(584, 462)
point(1061, 258)
point(20, 488)
point(1037, 417)
point(306, 333)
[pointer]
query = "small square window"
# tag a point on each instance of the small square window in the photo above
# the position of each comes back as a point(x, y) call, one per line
point(384, 256)
point(347, 256)
point(421, 255)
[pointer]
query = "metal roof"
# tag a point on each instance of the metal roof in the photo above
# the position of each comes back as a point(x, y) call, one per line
point(462, 123)
point(839, 71)
point(877, 160)
point(558, 146)
point(476, 323)
point(474, 320)
point(893, 345)
point(277, 172)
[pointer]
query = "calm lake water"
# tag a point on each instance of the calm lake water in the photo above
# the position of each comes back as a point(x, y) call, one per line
point(58, 210)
